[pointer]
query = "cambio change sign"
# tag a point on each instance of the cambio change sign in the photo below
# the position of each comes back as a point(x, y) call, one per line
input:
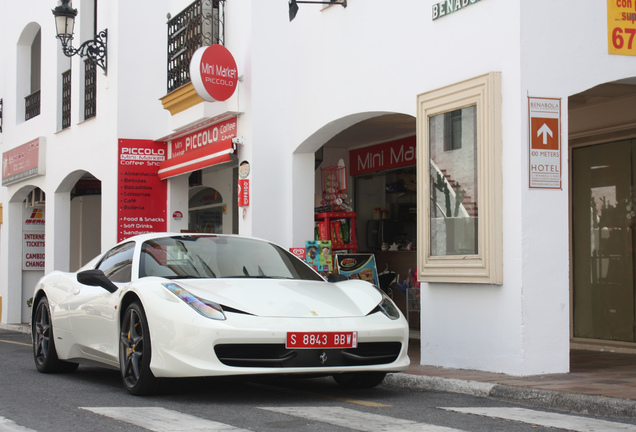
point(213, 72)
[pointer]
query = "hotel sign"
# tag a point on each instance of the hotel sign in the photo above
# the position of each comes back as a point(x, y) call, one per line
point(545, 143)
point(447, 7)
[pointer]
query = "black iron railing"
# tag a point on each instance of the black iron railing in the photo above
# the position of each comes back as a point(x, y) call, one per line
point(90, 90)
point(66, 99)
point(200, 24)
point(32, 105)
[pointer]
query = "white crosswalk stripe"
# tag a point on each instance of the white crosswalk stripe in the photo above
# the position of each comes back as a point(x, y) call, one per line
point(7, 425)
point(162, 420)
point(358, 420)
point(547, 419)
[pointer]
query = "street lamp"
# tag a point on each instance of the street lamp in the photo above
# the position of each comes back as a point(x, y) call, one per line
point(293, 5)
point(94, 50)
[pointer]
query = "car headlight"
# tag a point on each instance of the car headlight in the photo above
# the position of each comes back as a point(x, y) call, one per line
point(387, 307)
point(206, 308)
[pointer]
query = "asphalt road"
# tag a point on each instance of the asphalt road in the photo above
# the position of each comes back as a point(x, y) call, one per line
point(92, 399)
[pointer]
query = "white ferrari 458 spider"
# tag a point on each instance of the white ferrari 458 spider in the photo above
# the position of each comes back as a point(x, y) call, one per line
point(191, 305)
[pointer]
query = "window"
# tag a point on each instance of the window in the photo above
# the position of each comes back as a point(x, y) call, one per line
point(198, 25)
point(117, 263)
point(459, 179)
point(66, 99)
point(28, 72)
point(90, 90)
point(452, 130)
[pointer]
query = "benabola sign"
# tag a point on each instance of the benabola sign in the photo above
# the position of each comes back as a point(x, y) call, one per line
point(213, 73)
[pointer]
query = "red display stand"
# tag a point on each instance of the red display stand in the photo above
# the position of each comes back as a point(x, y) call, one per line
point(330, 227)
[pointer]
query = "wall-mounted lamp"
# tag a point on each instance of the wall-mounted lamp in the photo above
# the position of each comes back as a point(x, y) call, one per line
point(94, 50)
point(293, 5)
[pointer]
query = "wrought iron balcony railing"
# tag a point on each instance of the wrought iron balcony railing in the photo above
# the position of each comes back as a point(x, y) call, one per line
point(200, 24)
point(66, 99)
point(32, 105)
point(90, 89)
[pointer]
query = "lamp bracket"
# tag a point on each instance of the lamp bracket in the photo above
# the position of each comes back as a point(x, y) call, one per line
point(94, 50)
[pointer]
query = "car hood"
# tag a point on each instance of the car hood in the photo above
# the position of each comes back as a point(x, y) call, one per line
point(288, 298)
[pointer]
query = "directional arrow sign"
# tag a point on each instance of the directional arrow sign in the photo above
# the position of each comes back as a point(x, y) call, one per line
point(544, 161)
point(545, 131)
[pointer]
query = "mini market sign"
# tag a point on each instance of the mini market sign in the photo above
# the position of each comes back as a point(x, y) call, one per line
point(447, 7)
point(213, 73)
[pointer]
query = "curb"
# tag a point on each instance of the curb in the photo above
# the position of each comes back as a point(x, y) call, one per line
point(26, 328)
point(549, 399)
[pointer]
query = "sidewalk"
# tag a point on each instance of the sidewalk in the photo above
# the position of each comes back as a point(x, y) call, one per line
point(599, 383)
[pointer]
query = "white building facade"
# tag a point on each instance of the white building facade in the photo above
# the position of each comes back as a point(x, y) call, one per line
point(541, 254)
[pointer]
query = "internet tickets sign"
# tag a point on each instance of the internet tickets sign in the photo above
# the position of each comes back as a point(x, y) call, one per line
point(142, 195)
point(621, 27)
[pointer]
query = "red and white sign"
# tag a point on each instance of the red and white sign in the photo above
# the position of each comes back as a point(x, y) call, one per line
point(322, 340)
point(25, 161)
point(243, 193)
point(380, 157)
point(213, 73)
point(545, 143)
point(177, 215)
point(300, 252)
point(200, 149)
point(142, 194)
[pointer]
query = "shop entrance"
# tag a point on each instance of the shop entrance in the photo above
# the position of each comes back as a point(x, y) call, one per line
point(206, 212)
point(604, 238)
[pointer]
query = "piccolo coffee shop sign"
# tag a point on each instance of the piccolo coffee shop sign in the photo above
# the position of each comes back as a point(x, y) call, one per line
point(447, 7)
point(24, 161)
point(213, 72)
point(142, 195)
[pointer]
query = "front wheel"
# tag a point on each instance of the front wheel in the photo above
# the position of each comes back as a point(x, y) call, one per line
point(360, 380)
point(134, 352)
point(44, 353)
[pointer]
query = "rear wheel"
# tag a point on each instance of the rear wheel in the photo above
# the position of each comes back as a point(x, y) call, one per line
point(360, 380)
point(134, 352)
point(44, 353)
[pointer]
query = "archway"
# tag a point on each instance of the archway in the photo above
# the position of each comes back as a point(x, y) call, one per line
point(602, 140)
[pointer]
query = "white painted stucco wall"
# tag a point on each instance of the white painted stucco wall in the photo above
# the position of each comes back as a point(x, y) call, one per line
point(303, 82)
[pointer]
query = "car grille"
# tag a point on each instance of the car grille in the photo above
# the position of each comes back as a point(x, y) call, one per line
point(277, 356)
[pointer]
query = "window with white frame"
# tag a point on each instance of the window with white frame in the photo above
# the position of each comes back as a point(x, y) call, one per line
point(459, 182)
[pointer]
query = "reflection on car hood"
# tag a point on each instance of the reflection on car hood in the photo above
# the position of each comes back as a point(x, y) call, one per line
point(288, 298)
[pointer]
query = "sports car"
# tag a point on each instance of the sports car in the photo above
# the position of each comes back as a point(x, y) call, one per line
point(174, 305)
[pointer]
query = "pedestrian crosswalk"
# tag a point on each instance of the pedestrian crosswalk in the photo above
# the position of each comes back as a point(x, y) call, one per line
point(547, 419)
point(158, 419)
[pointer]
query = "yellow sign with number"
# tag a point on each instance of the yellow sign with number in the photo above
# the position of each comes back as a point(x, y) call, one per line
point(621, 27)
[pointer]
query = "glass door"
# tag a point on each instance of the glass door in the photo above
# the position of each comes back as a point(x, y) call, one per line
point(603, 223)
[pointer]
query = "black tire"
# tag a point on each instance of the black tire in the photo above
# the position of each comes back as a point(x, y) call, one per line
point(134, 352)
point(44, 353)
point(360, 380)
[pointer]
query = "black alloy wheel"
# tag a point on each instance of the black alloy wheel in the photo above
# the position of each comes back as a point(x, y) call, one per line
point(44, 353)
point(134, 352)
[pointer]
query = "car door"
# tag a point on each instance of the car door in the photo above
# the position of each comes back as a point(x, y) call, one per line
point(93, 309)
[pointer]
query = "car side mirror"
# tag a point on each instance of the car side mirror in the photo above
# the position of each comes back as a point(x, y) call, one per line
point(336, 277)
point(95, 277)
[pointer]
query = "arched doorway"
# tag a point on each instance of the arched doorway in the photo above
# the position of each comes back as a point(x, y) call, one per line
point(86, 217)
point(602, 125)
point(206, 210)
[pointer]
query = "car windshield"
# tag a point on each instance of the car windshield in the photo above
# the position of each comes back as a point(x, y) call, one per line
point(194, 256)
